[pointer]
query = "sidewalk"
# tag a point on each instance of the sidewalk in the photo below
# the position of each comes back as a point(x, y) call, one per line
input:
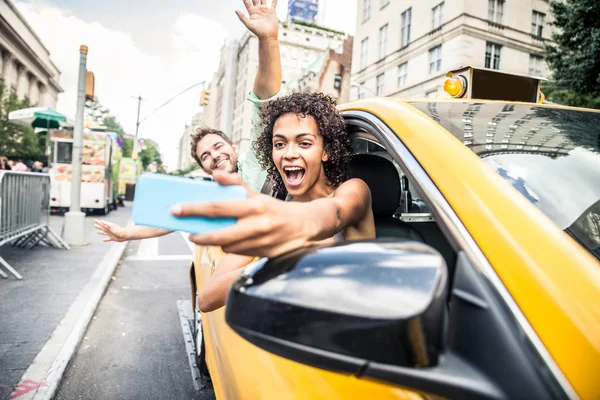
point(32, 308)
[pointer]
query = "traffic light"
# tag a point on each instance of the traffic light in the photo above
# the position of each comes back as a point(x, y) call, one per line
point(204, 97)
point(89, 85)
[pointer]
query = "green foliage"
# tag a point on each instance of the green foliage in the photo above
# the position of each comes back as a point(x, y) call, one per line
point(16, 141)
point(574, 57)
point(312, 25)
point(151, 155)
point(113, 125)
point(185, 171)
point(569, 97)
point(95, 111)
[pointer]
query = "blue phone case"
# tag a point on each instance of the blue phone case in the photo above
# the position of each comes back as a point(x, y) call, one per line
point(155, 194)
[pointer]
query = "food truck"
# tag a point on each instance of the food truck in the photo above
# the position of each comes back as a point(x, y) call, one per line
point(101, 154)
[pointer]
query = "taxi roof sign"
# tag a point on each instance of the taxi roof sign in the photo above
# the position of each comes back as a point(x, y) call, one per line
point(490, 84)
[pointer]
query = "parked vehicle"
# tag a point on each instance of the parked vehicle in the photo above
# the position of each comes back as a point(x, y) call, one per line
point(100, 165)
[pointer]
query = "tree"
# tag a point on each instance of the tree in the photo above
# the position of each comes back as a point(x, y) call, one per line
point(95, 111)
point(114, 126)
point(574, 57)
point(16, 141)
point(150, 154)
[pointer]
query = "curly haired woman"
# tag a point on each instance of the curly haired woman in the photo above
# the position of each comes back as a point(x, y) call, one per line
point(305, 148)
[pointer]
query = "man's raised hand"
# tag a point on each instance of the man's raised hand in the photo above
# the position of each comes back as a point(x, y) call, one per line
point(262, 19)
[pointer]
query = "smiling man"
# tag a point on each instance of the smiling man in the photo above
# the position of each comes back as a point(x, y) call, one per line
point(213, 149)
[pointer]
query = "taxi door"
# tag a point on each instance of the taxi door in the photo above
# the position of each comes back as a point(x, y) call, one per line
point(240, 370)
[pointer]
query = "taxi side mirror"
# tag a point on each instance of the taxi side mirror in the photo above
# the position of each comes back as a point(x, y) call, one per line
point(341, 308)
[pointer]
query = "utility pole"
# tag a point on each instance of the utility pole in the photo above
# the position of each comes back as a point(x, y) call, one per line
point(137, 123)
point(74, 222)
point(135, 150)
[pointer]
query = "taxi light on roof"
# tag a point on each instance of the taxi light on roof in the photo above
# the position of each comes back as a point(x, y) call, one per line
point(455, 86)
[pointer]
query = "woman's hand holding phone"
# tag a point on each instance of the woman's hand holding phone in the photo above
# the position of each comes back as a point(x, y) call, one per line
point(264, 225)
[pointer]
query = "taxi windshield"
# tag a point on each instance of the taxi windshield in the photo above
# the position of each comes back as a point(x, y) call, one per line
point(550, 155)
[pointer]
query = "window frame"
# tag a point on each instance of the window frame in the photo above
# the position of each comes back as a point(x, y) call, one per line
point(435, 65)
point(496, 11)
point(538, 20)
point(366, 10)
point(364, 52)
point(405, 27)
point(495, 51)
point(435, 24)
point(379, 84)
point(402, 78)
point(383, 35)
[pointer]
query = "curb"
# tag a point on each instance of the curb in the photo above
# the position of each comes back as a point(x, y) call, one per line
point(42, 378)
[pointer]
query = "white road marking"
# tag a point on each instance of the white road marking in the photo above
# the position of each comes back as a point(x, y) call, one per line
point(148, 248)
point(159, 258)
point(186, 237)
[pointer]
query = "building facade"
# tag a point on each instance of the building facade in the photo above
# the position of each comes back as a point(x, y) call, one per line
point(185, 159)
point(300, 45)
point(25, 65)
point(404, 48)
point(329, 74)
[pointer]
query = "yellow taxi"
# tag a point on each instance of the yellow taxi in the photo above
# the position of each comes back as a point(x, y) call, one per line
point(484, 279)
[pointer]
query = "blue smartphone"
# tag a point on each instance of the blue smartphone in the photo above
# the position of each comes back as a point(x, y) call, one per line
point(155, 194)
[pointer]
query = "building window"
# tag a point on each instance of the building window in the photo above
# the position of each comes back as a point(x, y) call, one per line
point(364, 52)
point(402, 74)
point(384, 3)
point(495, 10)
point(537, 24)
point(337, 83)
point(437, 15)
point(405, 27)
point(379, 89)
point(492, 55)
point(435, 59)
point(361, 93)
point(535, 65)
point(366, 10)
point(383, 41)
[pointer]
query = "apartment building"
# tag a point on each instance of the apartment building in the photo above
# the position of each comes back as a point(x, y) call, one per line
point(184, 159)
point(403, 48)
point(329, 74)
point(25, 65)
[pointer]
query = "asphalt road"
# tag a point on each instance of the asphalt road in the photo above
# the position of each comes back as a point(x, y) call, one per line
point(134, 347)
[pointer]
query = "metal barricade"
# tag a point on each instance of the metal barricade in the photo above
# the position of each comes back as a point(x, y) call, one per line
point(25, 213)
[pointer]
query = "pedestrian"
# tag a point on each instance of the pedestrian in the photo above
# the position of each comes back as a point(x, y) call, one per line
point(4, 165)
point(20, 166)
point(37, 167)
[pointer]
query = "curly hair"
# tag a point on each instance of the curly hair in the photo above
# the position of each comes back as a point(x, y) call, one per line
point(199, 135)
point(332, 127)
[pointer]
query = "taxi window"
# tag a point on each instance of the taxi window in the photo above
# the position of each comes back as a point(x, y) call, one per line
point(550, 155)
point(417, 210)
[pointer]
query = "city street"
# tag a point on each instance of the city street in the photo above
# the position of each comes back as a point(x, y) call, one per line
point(133, 347)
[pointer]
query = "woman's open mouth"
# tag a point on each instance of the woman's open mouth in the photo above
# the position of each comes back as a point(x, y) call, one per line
point(294, 175)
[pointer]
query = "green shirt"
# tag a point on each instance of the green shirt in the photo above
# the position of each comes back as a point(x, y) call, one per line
point(249, 167)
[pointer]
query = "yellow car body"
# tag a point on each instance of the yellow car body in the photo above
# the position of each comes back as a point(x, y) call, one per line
point(553, 281)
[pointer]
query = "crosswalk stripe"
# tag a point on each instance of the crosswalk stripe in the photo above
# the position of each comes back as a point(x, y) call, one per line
point(159, 258)
point(186, 237)
point(148, 248)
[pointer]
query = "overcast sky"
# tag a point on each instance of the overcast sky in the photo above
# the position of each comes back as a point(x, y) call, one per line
point(148, 47)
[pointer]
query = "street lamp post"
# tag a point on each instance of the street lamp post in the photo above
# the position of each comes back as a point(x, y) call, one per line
point(360, 88)
point(74, 232)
